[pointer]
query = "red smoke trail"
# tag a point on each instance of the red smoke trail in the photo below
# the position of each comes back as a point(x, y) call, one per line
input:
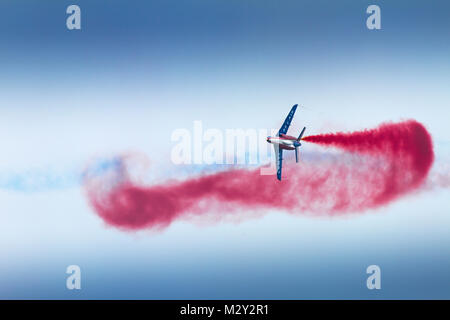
point(384, 164)
point(406, 146)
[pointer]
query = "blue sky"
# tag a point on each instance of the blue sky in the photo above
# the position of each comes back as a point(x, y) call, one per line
point(137, 71)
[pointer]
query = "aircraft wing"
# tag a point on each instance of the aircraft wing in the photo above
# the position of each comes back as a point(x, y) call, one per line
point(284, 128)
point(279, 155)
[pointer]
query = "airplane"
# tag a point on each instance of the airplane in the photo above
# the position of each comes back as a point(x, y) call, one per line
point(284, 142)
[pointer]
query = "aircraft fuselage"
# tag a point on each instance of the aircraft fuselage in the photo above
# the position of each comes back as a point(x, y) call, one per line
point(284, 142)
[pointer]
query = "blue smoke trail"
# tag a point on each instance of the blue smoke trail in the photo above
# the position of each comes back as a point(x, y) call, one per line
point(48, 178)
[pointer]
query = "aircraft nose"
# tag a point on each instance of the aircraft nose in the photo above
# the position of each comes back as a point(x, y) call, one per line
point(268, 139)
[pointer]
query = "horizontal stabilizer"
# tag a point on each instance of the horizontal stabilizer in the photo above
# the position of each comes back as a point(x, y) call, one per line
point(301, 134)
